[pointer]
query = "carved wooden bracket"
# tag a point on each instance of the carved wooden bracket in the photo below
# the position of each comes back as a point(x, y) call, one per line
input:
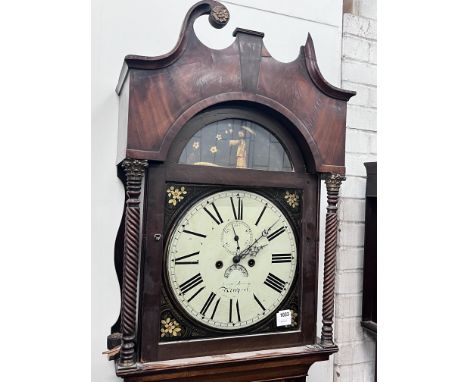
point(134, 172)
point(333, 183)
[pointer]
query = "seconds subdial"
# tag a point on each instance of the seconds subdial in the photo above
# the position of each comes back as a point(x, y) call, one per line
point(236, 236)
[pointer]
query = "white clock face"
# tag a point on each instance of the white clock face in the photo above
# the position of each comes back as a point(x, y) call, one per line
point(231, 259)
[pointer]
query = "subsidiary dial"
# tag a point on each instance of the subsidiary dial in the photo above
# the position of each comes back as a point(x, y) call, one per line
point(236, 236)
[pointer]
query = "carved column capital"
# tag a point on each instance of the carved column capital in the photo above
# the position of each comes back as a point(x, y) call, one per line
point(134, 167)
point(333, 182)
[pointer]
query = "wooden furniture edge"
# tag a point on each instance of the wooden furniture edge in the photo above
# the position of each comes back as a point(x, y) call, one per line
point(307, 354)
point(371, 326)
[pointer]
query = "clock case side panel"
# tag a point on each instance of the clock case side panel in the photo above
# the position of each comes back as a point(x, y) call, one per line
point(124, 110)
point(159, 175)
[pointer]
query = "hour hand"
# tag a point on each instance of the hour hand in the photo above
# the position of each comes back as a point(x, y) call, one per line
point(256, 249)
point(236, 237)
point(253, 250)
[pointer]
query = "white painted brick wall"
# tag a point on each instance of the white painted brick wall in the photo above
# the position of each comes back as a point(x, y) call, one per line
point(355, 48)
point(373, 52)
point(349, 305)
point(351, 234)
point(359, 26)
point(360, 141)
point(356, 352)
point(348, 282)
point(366, 95)
point(349, 328)
point(363, 372)
point(356, 358)
point(367, 8)
point(349, 258)
point(355, 163)
point(353, 187)
point(363, 118)
point(359, 72)
point(351, 210)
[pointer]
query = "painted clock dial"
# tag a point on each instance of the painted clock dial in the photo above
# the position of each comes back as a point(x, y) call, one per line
point(231, 259)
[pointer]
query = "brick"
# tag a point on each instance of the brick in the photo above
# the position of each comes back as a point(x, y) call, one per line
point(364, 352)
point(356, 48)
point(361, 118)
point(368, 8)
point(355, 163)
point(362, 93)
point(345, 356)
point(368, 371)
point(372, 97)
point(362, 372)
point(349, 305)
point(373, 144)
point(349, 258)
point(359, 26)
point(351, 234)
point(353, 187)
point(348, 330)
point(348, 282)
point(359, 72)
point(357, 352)
point(344, 373)
point(373, 52)
point(365, 95)
point(352, 210)
point(359, 141)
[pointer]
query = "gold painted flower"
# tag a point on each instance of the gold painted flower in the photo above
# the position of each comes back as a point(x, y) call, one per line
point(292, 199)
point(196, 145)
point(170, 328)
point(213, 150)
point(293, 318)
point(175, 195)
point(218, 137)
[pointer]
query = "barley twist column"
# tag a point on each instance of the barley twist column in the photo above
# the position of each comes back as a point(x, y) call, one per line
point(333, 183)
point(134, 171)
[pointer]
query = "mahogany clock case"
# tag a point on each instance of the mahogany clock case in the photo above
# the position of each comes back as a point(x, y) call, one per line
point(200, 181)
point(164, 101)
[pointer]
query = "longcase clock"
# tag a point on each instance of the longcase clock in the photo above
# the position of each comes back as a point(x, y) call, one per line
point(222, 153)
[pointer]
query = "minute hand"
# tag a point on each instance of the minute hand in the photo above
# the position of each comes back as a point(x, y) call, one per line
point(246, 251)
